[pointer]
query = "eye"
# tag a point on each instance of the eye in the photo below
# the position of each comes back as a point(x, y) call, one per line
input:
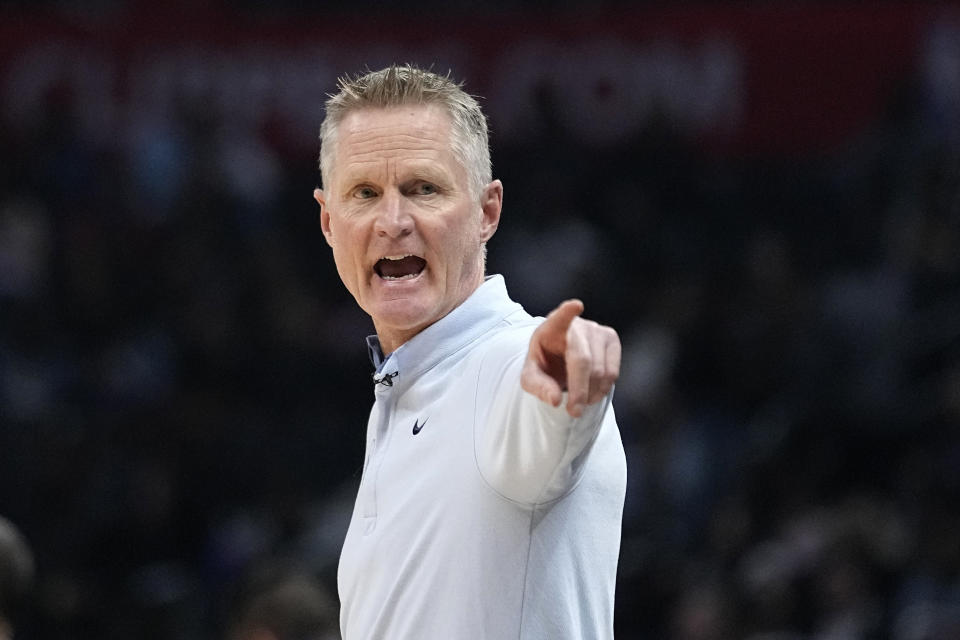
point(425, 189)
point(364, 193)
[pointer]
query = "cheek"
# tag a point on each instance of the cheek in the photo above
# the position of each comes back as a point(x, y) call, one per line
point(467, 235)
point(345, 256)
point(462, 229)
point(341, 263)
point(346, 239)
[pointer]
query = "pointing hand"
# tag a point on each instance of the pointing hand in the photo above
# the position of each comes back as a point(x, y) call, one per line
point(568, 353)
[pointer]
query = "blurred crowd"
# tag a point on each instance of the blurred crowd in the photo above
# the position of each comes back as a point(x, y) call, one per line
point(184, 384)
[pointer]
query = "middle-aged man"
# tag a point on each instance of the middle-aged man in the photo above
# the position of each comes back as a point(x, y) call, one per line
point(492, 492)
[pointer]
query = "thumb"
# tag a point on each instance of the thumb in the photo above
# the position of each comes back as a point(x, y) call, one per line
point(540, 384)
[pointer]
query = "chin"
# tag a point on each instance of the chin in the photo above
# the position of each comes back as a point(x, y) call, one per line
point(404, 315)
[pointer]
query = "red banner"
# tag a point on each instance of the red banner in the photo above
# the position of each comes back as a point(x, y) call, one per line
point(780, 79)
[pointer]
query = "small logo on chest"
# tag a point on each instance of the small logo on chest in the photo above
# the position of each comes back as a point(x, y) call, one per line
point(417, 425)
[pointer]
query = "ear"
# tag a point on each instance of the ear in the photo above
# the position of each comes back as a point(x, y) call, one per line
point(324, 215)
point(491, 202)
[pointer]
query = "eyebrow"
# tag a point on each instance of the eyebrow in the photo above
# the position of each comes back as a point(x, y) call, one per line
point(443, 175)
point(432, 172)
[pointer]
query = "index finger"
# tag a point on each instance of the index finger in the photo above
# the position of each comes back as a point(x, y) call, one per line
point(554, 329)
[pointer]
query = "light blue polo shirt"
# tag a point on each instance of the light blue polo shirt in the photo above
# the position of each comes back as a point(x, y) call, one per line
point(482, 512)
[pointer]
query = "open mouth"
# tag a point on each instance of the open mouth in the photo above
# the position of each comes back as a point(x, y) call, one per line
point(399, 267)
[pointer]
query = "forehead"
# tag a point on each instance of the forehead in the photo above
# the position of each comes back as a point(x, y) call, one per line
point(401, 132)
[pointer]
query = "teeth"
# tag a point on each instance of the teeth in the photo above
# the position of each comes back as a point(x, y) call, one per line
point(406, 255)
point(406, 277)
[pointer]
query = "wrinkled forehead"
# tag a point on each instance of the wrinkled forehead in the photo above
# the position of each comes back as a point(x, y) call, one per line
point(414, 134)
point(414, 127)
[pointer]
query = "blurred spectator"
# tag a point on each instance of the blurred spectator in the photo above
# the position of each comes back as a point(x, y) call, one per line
point(275, 603)
point(16, 578)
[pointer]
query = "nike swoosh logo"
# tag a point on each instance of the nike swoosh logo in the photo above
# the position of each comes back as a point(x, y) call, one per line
point(417, 425)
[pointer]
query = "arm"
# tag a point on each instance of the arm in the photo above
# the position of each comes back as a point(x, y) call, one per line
point(529, 447)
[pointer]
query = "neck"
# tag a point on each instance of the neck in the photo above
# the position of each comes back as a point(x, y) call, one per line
point(391, 339)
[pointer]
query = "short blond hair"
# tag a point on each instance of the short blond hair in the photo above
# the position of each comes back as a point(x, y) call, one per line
point(403, 85)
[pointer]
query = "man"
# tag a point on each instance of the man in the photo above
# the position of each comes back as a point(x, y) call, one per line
point(492, 492)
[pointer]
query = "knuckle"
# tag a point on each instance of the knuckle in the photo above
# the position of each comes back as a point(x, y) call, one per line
point(579, 359)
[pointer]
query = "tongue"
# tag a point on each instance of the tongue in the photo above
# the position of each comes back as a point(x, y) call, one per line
point(403, 267)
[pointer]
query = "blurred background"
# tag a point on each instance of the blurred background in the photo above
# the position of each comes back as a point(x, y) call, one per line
point(762, 198)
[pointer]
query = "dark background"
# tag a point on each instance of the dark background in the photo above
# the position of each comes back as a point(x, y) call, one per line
point(762, 198)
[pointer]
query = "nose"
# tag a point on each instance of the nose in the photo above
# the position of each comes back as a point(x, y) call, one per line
point(393, 220)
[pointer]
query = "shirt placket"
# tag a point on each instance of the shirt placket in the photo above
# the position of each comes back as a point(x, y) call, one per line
point(376, 450)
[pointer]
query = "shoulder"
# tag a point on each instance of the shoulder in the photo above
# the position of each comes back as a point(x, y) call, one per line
point(512, 334)
point(505, 346)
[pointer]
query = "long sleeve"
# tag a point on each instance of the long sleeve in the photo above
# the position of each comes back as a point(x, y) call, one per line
point(527, 450)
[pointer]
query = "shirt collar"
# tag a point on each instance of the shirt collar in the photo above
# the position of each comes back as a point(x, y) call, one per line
point(375, 353)
point(476, 315)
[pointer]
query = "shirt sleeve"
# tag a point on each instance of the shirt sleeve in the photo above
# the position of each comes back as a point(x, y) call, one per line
point(527, 450)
